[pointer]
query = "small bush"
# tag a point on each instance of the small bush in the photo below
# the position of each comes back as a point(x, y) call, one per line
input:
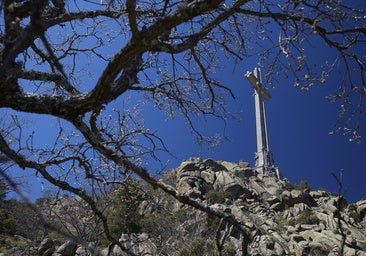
point(229, 250)
point(279, 191)
point(7, 222)
point(307, 217)
point(353, 212)
point(281, 224)
point(198, 247)
point(304, 185)
point(123, 214)
point(204, 247)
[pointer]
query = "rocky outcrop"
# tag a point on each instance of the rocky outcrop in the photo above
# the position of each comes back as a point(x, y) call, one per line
point(196, 178)
point(288, 220)
point(282, 218)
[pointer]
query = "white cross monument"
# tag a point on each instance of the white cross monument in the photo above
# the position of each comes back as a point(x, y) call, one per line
point(264, 162)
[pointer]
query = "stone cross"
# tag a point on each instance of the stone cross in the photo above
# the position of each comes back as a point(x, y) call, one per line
point(264, 162)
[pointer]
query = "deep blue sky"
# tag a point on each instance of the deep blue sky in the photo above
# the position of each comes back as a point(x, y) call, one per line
point(299, 123)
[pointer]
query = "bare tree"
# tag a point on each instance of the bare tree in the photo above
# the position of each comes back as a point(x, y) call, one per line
point(76, 62)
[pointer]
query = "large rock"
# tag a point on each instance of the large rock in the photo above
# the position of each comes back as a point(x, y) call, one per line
point(361, 208)
point(137, 244)
point(88, 249)
point(46, 247)
point(195, 177)
point(67, 249)
point(290, 198)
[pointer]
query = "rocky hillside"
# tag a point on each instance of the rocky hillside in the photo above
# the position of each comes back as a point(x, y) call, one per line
point(278, 218)
point(286, 219)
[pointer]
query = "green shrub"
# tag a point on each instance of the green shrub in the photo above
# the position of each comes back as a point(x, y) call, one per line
point(279, 191)
point(281, 224)
point(307, 217)
point(229, 249)
point(204, 247)
point(123, 213)
point(7, 222)
point(353, 212)
point(304, 185)
point(198, 247)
